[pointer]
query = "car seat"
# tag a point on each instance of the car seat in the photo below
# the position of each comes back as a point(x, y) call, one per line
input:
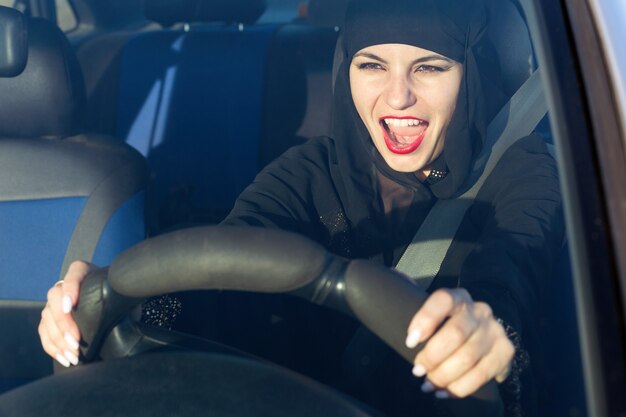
point(64, 194)
point(190, 98)
point(136, 90)
point(299, 77)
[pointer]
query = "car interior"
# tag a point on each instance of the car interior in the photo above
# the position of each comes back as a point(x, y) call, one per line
point(140, 127)
point(72, 194)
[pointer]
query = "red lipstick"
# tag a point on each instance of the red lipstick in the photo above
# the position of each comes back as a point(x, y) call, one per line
point(416, 132)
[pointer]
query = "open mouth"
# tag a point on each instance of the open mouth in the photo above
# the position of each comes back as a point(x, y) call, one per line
point(403, 135)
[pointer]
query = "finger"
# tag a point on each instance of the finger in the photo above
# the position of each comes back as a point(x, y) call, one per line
point(57, 318)
point(439, 305)
point(54, 335)
point(50, 348)
point(454, 334)
point(53, 345)
point(496, 362)
point(46, 342)
point(63, 296)
point(76, 273)
point(463, 359)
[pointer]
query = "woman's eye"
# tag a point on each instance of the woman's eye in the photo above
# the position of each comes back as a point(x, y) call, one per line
point(372, 66)
point(429, 69)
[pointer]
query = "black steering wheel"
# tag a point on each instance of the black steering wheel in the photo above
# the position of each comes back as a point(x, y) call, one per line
point(147, 371)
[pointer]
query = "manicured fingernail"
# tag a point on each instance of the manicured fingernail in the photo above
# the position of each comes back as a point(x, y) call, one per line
point(442, 394)
point(71, 357)
point(413, 338)
point(67, 304)
point(419, 370)
point(427, 387)
point(71, 341)
point(62, 360)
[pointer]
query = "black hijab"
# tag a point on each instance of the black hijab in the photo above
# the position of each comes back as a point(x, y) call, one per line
point(453, 28)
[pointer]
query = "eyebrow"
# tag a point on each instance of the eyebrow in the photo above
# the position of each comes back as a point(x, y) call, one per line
point(427, 58)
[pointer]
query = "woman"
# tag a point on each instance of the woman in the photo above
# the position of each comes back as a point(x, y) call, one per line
point(411, 105)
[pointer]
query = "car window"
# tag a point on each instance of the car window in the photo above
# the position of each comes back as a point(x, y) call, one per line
point(593, 218)
point(281, 11)
point(66, 18)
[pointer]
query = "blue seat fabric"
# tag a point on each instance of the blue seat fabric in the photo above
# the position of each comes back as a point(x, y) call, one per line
point(125, 228)
point(41, 229)
point(34, 230)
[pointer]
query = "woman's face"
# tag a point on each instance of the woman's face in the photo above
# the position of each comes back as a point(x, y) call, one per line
point(406, 97)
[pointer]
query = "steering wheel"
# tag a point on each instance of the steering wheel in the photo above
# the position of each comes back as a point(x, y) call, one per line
point(131, 369)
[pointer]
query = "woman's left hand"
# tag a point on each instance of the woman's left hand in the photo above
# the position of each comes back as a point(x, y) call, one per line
point(470, 349)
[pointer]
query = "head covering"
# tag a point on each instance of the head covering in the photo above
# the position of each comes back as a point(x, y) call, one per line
point(374, 196)
point(453, 28)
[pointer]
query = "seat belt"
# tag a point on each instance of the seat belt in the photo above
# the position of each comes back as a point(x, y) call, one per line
point(517, 119)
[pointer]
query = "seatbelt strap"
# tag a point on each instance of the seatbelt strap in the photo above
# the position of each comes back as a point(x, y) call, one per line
point(517, 119)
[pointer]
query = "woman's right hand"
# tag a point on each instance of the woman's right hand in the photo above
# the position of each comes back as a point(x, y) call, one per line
point(58, 331)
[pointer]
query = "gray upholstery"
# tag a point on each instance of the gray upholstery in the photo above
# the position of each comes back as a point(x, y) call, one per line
point(47, 98)
point(39, 166)
point(14, 47)
point(64, 194)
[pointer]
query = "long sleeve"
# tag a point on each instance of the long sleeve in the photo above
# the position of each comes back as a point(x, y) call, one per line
point(522, 235)
point(282, 194)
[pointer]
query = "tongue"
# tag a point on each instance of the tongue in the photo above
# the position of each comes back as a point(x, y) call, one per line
point(406, 135)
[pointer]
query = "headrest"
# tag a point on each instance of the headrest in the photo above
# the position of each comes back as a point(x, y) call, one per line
point(47, 98)
point(507, 27)
point(169, 12)
point(327, 13)
point(14, 45)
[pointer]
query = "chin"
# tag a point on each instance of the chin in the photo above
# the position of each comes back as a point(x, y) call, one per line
point(404, 163)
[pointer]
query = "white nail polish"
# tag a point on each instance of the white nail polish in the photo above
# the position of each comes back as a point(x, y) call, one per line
point(71, 341)
point(71, 357)
point(413, 338)
point(427, 387)
point(442, 394)
point(67, 304)
point(419, 370)
point(62, 360)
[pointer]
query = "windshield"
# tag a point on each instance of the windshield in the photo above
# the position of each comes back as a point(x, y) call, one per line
point(424, 140)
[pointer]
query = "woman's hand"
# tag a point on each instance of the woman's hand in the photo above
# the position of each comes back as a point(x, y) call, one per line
point(469, 349)
point(58, 331)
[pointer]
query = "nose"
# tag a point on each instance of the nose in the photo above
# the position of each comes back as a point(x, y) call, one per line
point(399, 94)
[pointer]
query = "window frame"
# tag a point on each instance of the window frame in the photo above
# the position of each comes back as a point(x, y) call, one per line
point(590, 150)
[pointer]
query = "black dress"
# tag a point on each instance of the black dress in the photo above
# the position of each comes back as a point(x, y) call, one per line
point(504, 251)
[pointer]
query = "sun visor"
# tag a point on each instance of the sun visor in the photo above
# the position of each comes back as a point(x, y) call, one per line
point(13, 42)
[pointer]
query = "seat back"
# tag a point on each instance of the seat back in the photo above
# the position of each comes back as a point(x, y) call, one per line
point(176, 95)
point(190, 100)
point(64, 194)
point(299, 77)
